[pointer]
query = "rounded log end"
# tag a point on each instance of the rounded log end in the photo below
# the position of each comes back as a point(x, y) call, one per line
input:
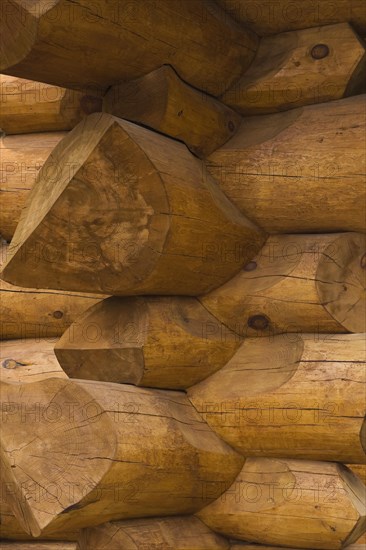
point(356, 492)
point(18, 29)
point(341, 281)
point(51, 434)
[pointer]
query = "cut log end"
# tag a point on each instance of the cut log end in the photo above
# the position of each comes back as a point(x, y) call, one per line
point(18, 30)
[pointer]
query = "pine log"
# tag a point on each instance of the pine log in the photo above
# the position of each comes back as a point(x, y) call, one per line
point(80, 453)
point(38, 313)
point(27, 106)
point(178, 533)
point(162, 101)
point(21, 159)
point(299, 171)
point(301, 68)
point(159, 342)
point(108, 42)
point(276, 16)
point(122, 210)
point(297, 283)
point(302, 398)
point(315, 505)
point(28, 361)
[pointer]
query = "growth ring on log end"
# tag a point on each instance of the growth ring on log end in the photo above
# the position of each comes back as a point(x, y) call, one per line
point(119, 209)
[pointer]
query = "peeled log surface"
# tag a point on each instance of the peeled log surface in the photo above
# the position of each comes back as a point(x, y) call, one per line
point(162, 101)
point(297, 283)
point(125, 452)
point(159, 342)
point(27, 106)
point(294, 69)
point(314, 505)
point(28, 361)
point(303, 397)
point(119, 209)
point(21, 159)
point(286, 15)
point(36, 313)
point(108, 42)
point(178, 533)
point(299, 171)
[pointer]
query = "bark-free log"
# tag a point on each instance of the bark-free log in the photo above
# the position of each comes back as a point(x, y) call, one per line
point(298, 171)
point(27, 106)
point(359, 470)
point(178, 533)
point(108, 42)
point(315, 505)
point(28, 361)
point(37, 313)
point(277, 16)
point(162, 101)
point(303, 398)
point(301, 68)
point(21, 159)
point(147, 341)
point(297, 283)
point(122, 210)
point(80, 453)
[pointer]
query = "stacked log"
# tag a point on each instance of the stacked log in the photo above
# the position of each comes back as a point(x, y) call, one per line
point(204, 266)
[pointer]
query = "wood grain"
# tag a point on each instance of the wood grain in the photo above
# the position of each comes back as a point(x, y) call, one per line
point(297, 283)
point(27, 106)
point(119, 209)
point(108, 42)
point(287, 171)
point(286, 72)
point(314, 505)
point(303, 398)
point(22, 156)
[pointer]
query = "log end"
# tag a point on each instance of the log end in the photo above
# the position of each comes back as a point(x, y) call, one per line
point(49, 442)
point(18, 29)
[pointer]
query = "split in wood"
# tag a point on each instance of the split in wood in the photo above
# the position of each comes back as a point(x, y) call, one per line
point(119, 209)
point(314, 505)
point(109, 42)
point(298, 171)
point(301, 397)
point(80, 453)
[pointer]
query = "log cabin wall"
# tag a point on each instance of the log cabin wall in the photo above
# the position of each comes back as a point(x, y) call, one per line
point(183, 252)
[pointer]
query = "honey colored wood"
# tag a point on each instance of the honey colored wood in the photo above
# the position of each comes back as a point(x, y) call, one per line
point(28, 361)
point(38, 313)
point(10, 529)
point(359, 470)
point(126, 453)
point(297, 283)
point(130, 212)
point(39, 545)
point(178, 533)
point(314, 505)
point(163, 102)
point(27, 106)
point(277, 16)
point(287, 171)
point(108, 42)
point(171, 342)
point(301, 68)
point(300, 397)
point(21, 158)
